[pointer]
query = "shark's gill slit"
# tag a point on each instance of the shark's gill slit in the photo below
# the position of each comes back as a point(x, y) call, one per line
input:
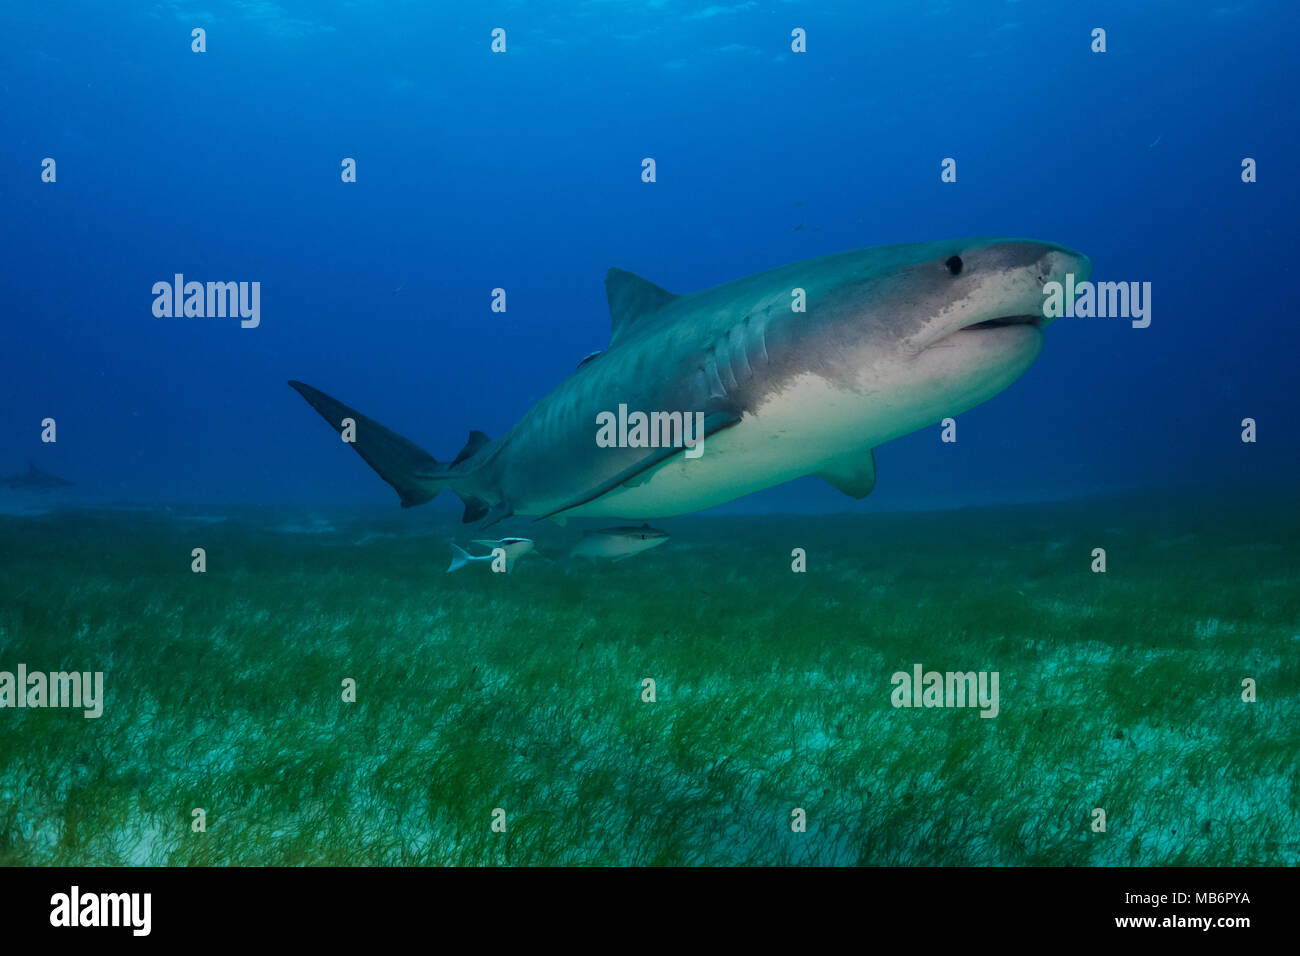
point(729, 381)
point(738, 356)
point(716, 388)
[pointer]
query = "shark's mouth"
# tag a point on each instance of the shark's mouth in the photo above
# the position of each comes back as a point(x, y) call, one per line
point(1005, 320)
point(1026, 321)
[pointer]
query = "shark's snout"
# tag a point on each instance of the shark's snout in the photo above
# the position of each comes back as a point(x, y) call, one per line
point(1056, 265)
point(987, 322)
point(1001, 284)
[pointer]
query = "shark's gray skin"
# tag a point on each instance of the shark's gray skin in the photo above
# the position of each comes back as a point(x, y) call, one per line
point(35, 480)
point(893, 339)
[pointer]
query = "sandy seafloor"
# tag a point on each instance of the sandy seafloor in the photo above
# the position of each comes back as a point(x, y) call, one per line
point(475, 691)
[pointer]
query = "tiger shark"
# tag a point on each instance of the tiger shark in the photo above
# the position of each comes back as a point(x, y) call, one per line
point(800, 370)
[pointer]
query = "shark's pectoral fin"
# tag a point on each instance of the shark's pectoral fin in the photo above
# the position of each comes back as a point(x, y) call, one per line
point(561, 520)
point(636, 473)
point(855, 475)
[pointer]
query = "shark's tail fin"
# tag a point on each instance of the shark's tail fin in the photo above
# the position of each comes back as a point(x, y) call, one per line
point(412, 471)
point(459, 558)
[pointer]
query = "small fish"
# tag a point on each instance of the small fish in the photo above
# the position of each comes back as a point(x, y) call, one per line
point(618, 543)
point(798, 227)
point(515, 548)
point(801, 202)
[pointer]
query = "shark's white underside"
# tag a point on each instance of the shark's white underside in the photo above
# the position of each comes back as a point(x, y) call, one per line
point(814, 426)
point(807, 425)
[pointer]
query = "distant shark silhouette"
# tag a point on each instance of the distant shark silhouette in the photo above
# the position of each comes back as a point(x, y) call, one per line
point(34, 480)
point(800, 370)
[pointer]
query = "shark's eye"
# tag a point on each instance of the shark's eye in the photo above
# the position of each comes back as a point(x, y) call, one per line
point(954, 265)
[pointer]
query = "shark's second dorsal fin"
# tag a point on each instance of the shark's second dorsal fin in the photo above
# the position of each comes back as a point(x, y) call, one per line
point(476, 441)
point(631, 297)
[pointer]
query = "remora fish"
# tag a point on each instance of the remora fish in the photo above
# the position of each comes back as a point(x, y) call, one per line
point(515, 548)
point(35, 480)
point(618, 543)
point(891, 339)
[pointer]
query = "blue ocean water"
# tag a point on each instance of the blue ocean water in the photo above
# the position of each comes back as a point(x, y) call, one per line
point(522, 170)
point(280, 645)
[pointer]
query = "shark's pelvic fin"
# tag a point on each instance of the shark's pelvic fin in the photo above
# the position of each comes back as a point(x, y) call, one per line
point(498, 512)
point(411, 470)
point(855, 475)
point(631, 297)
point(475, 508)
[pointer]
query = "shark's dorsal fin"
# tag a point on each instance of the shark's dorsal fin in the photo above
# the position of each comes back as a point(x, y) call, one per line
point(631, 297)
point(476, 441)
point(855, 475)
